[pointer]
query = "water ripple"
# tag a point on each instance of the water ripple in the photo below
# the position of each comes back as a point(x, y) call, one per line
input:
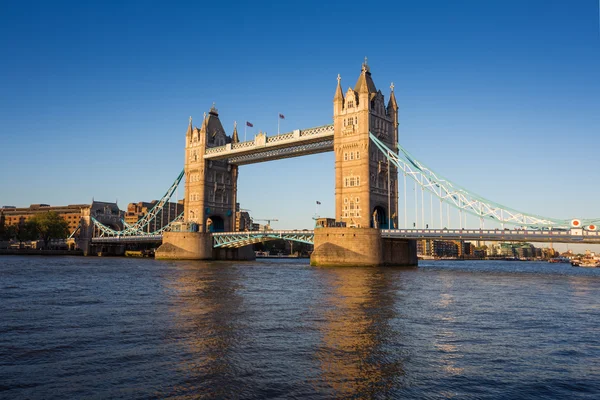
point(125, 328)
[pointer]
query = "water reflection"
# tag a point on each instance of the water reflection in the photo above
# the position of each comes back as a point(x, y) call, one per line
point(207, 302)
point(445, 338)
point(359, 355)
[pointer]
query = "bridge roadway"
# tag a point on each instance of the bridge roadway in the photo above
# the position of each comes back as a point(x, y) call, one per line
point(240, 239)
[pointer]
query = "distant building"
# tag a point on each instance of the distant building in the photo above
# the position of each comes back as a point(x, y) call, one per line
point(243, 222)
point(438, 248)
point(105, 212)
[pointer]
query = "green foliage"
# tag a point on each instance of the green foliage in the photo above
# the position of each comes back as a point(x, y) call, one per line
point(22, 232)
point(49, 226)
point(3, 228)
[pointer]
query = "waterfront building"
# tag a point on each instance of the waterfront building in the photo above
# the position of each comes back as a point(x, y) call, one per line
point(444, 248)
point(243, 222)
point(106, 212)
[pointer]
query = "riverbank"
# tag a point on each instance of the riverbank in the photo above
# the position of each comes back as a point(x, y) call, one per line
point(37, 252)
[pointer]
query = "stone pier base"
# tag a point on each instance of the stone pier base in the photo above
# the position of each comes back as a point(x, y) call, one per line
point(355, 247)
point(185, 246)
point(198, 246)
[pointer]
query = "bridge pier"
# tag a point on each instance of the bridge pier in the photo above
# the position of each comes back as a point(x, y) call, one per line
point(198, 246)
point(185, 246)
point(357, 247)
point(245, 253)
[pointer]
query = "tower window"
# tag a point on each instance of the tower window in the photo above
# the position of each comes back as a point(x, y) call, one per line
point(351, 181)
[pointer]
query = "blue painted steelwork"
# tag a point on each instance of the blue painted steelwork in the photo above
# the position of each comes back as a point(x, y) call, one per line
point(240, 239)
point(463, 199)
point(137, 229)
point(105, 231)
point(129, 239)
point(143, 222)
point(497, 235)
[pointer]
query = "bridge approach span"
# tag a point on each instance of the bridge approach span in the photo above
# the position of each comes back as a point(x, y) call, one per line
point(241, 239)
point(497, 235)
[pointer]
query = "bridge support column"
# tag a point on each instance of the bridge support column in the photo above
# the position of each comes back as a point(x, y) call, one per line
point(357, 247)
point(185, 246)
point(245, 253)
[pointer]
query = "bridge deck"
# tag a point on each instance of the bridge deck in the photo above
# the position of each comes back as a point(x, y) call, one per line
point(239, 239)
point(499, 235)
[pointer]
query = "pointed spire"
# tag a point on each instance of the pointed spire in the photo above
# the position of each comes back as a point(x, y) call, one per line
point(392, 103)
point(189, 129)
point(365, 84)
point(339, 95)
point(204, 121)
point(234, 137)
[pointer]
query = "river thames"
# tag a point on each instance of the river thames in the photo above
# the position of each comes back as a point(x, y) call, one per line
point(107, 328)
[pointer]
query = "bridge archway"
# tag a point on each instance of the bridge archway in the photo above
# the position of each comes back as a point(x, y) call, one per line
point(379, 218)
point(215, 223)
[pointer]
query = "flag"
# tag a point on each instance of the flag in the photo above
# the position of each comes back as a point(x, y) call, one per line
point(318, 202)
point(281, 116)
point(249, 124)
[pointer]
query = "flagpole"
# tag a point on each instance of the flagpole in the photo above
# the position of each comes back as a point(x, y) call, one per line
point(245, 127)
point(278, 123)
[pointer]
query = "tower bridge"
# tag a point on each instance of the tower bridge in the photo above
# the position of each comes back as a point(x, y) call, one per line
point(369, 163)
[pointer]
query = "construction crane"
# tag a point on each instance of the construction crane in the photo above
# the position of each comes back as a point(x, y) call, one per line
point(268, 226)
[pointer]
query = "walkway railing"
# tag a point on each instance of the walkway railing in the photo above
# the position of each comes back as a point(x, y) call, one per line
point(240, 239)
point(265, 148)
point(516, 235)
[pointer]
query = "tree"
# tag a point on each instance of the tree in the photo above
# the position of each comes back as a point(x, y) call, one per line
point(22, 232)
point(3, 232)
point(50, 225)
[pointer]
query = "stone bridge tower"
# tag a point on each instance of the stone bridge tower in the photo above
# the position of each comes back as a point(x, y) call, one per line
point(366, 193)
point(210, 186)
point(363, 198)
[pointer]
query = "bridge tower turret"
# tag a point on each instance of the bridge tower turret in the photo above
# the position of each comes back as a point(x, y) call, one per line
point(210, 186)
point(363, 196)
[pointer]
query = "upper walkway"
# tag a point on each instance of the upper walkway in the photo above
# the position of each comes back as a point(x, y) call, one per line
point(266, 148)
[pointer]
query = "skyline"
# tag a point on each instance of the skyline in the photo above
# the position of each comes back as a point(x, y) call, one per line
point(487, 107)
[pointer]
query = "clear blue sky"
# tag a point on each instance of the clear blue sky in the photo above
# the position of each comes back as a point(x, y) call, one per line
point(502, 97)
